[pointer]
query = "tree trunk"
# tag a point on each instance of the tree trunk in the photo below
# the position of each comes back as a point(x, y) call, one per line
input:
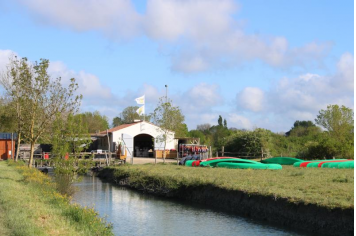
point(18, 146)
point(31, 154)
point(164, 150)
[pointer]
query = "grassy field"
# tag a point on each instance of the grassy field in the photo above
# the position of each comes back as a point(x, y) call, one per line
point(331, 188)
point(29, 205)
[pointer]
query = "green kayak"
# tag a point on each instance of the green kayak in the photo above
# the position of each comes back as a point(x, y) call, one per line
point(339, 165)
point(213, 163)
point(189, 163)
point(249, 166)
point(282, 160)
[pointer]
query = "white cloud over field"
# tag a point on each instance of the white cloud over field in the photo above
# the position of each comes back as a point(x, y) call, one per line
point(201, 35)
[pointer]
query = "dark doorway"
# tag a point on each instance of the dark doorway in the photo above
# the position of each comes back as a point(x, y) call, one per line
point(143, 145)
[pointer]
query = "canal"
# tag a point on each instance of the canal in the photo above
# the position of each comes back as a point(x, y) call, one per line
point(133, 213)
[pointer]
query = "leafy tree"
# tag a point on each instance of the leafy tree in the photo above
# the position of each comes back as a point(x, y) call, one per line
point(220, 121)
point(39, 97)
point(338, 121)
point(225, 123)
point(168, 118)
point(250, 143)
point(69, 134)
point(12, 80)
point(181, 130)
point(205, 128)
point(128, 115)
point(95, 121)
point(303, 128)
point(7, 117)
point(117, 121)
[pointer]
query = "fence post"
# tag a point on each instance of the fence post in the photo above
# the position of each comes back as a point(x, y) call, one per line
point(223, 151)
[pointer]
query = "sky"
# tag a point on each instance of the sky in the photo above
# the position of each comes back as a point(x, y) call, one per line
point(258, 64)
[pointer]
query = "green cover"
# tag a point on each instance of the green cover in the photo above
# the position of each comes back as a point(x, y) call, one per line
point(313, 164)
point(339, 165)
point(213, 163)
point(189, 163)
point(282, 160)
point(249, 166)
point(297, 164)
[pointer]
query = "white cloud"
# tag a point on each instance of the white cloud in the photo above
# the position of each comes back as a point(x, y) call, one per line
point(5, 55)
point(202, 34)
point(251, 99)
point(89, 85)
point(299, 98)
point(239, 122)
point(115, 18)
point(200, 98)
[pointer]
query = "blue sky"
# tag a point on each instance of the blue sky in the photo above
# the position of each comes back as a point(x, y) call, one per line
point(257, 63)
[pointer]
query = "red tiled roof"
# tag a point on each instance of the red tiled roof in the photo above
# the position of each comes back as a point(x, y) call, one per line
point(119, 127)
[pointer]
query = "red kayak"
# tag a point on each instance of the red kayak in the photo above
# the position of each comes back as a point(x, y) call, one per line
point(197, 163)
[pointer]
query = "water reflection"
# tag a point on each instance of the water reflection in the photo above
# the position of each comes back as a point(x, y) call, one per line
point(133, 213)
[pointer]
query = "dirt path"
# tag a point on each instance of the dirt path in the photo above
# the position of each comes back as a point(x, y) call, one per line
point(144, 160)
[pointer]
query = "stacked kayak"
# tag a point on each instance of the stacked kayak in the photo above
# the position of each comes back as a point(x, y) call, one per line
point(282, 160)
point(249, 166)
point(332, 163)
point(236, 163)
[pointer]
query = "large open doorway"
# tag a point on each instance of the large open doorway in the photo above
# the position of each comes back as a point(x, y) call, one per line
point(143, 145)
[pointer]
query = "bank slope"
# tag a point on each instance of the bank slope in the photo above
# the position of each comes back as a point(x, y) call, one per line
point(315, 200)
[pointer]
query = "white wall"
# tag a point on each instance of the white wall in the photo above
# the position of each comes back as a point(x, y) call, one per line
point(142, 128)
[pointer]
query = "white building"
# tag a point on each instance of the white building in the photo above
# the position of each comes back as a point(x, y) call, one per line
point(141, 139)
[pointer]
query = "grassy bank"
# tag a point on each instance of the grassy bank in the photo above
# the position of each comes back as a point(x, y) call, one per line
point(30, 205)
point(330, 188)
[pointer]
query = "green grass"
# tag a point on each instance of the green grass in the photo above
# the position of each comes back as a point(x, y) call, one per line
point(331, 188)
point(30, 205)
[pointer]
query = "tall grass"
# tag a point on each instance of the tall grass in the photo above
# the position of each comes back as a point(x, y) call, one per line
point(330, 188)
point(33, 206)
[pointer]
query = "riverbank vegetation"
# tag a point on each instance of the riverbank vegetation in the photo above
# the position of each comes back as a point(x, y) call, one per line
point(30, 205)
point(329, 188)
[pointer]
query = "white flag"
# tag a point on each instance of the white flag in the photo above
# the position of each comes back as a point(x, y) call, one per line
point(140, 100)
point(141, 110)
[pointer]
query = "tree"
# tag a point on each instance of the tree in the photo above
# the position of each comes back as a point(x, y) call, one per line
point(39, 97)
point(69, 135)
point(204, 127)
point(225, 123)
point(7, 116)
point(303, 128)
point(128, 115)
point(220, 121)
point(169, 118)
point(250, 143)
point(338, 121)
point(95, 121)
point(117, 121)
point(12, 80)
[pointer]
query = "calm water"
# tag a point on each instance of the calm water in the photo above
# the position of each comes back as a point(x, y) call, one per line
point(133, 213)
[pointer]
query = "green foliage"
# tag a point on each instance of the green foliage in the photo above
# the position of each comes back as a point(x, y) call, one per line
point(338, 121)
point(128, 115)
point(38, 98)
point(169, 117)
point(250, 143)
point(95, 121)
